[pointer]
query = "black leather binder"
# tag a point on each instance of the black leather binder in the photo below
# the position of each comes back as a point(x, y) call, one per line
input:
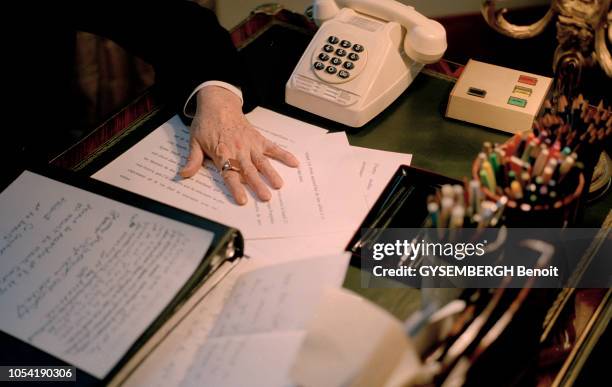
point(227, 245)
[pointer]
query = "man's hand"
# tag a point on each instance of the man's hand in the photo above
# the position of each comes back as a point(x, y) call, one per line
point(221, 131)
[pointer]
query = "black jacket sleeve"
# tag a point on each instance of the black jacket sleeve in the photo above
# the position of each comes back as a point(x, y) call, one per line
point(182, 40)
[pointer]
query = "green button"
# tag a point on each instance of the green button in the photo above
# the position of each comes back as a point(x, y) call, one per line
point(517, 102)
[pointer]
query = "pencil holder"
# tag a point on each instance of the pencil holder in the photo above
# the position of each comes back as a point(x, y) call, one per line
point(562, 211)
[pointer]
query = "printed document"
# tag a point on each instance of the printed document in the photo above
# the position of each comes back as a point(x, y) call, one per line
point(376, 168)
point(322, 195)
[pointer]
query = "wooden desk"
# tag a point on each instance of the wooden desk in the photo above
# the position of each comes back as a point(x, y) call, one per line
point(443, 146)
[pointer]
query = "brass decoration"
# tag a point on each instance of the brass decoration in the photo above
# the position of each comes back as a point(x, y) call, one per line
point(583, 32)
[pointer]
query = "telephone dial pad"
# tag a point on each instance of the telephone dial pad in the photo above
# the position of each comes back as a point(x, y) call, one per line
point(339, 60)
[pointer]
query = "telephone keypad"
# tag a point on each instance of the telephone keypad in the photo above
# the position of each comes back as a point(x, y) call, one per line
point(333, 52)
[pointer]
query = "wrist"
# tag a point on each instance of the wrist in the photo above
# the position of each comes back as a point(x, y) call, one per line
point(216, 97)
point(190, 107)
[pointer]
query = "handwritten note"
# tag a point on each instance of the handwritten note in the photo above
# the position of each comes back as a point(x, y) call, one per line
point(246, 360)
point(167, 364)
point(82, 276)
point(246, 313)
point(319, 196)
point(268, 308)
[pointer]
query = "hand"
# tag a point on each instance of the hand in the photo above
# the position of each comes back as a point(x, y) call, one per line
point(221, 131)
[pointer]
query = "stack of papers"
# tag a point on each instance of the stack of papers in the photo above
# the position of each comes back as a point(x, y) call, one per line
point(319, 208)
point(322, 202)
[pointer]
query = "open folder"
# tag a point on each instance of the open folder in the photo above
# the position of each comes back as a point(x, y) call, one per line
point(90, 274)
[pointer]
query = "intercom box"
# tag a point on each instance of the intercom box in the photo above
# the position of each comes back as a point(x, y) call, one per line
point(497, 97)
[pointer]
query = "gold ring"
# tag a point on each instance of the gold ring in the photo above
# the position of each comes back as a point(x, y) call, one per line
point(230, 165)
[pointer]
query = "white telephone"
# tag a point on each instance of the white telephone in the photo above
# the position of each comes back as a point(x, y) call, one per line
point(364, 55)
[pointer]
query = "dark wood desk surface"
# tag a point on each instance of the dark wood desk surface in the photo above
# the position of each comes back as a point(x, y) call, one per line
point(438, 147)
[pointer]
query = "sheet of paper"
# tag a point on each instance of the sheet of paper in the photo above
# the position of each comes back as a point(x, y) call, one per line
point(316, 197)
point(275, 124)
point(82, 276)
point(192, 342)
point(376, 168)
point(279, 297)
point(289, 249)
point(168, 363)
point(268, 308)
point(261, 360)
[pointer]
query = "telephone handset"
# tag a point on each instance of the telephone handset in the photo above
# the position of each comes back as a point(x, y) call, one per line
point(364, 55)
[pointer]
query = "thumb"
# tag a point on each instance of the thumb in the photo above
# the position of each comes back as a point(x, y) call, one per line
point(194, 160)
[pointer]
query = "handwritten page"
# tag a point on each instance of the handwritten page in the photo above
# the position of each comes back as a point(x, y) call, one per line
point(268, 308)
point(83, 276)
point(262, 360)
point(319, 196)
point(279, 297)
point(246, 311)
point(167, 364)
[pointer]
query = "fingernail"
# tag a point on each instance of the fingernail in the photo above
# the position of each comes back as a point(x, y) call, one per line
point(241, 200)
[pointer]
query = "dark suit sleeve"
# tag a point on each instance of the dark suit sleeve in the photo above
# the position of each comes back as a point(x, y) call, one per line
point(182, 40)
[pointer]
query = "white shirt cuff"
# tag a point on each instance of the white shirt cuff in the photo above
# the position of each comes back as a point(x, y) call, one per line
point(189, 108)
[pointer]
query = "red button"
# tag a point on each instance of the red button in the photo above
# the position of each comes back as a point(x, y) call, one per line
point(528, 80)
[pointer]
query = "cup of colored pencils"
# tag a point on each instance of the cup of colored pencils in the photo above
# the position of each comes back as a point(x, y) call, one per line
point(543, 184)
point(545, 172)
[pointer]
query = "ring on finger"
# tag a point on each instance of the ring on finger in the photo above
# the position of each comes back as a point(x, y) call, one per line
point(231, 165)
